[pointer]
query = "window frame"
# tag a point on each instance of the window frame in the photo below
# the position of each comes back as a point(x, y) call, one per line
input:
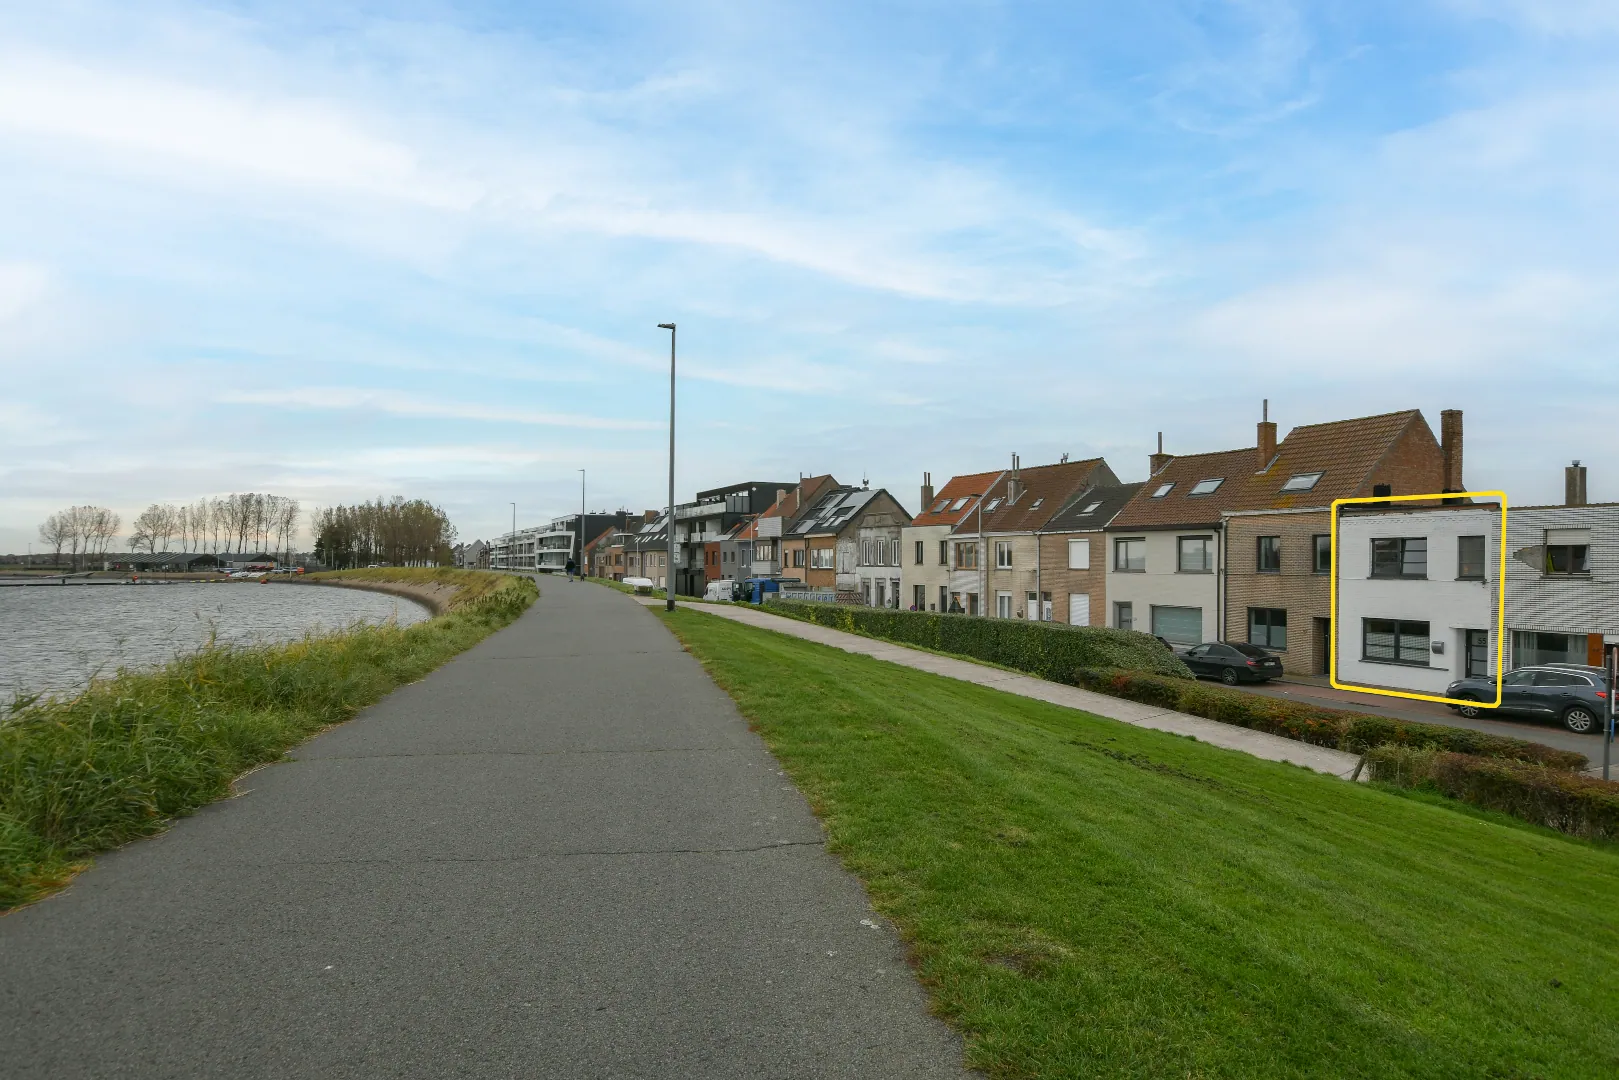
point(1316, 566)
point(1124, 611)
point(1399, 634)
point(1213, 483)
point(1583, 570)
point(1085, 545)
point(1162, 490)
point(1483, 559)
point(1275, 550)
point(1288, 487)
point(1270, 626)
point(921, 551)
point(970, 549)
point(1118, 547)
point(1003, 548)
point(1180, 554)
point(1404, 550)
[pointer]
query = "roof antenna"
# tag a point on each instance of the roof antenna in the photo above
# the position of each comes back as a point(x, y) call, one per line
point(1264, 410)
point(1064, 460)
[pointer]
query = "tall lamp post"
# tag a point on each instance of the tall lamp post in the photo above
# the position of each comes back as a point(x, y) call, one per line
point(581, 523)
point(669, 574)
point(511, 541)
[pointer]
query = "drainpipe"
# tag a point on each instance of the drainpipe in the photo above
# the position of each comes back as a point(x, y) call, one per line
point(1039, 602)
point(1219, 582)
point(983, 568)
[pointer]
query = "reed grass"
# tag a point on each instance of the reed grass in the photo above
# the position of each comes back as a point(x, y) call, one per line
point(83, 774)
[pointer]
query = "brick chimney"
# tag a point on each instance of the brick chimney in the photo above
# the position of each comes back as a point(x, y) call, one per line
point(1267, 437)
point(1156, 462)
point(1450, 449)
point(927, 491)
point(1014, 485)
point(1574, 485)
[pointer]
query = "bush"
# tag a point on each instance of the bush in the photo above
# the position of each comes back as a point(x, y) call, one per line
point(1049, 650)
point(1565, 801)
point(1337, 728)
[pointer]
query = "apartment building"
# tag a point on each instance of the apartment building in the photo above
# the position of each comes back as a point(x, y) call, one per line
point(775, 550)
point(1073, 554)
point(925, 576)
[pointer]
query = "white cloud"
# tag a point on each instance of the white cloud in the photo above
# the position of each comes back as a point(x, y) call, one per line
point(394, 403)
point(22, 285)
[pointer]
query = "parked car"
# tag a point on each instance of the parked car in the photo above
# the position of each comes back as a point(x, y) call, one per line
point(1232, 662)
point(1573, 694)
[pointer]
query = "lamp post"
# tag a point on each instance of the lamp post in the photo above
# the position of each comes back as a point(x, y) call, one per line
point(511, 541)
point(581, 523)
point(669, 573)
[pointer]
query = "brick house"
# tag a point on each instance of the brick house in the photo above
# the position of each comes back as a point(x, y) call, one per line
point(828, 535)
point(777, 551)
point(1233, 545)
point(997, 545)
point(925, 542)
point(1073, 554)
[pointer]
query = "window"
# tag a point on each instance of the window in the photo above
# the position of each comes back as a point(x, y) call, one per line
point(1163, 490)
point(1196, 554)
point(1388, 641)
point(938, 507)
point(1090, 508)
point(959, 503)
point(1036, 504)
point(972, 603)
point(865, 591)
point(1267, 626)
point(882, 551)
point(1400, 557)
point(1003, 605)
point(966, 556)
point(993, 503)
point(921, 547)
point(1079, 554)
point(1302, 482)
point(1478, 654)
point(919, 597)
point(944, 598)
point(821, 558)
point(893, 556)
point(1560, 678)
point(1130, 556)
point(1470, 558)
point(1003, 554)
point(1568, 551)
point(1270, 555)
point(1124, 615)
point(1207, 487)
point(1321, 545)
point(1181, 625)
point(944, 553)
point(798, 558)
point(1532, 647)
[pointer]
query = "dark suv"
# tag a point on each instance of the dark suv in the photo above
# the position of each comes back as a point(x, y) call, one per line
point(1233, 662)
point(1573, 694)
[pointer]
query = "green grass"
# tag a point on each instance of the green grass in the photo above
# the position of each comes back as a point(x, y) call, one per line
point(1085, 898)
point(82, 775)
point(470, 584)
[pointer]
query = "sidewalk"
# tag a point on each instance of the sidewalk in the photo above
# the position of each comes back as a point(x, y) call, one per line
point(562, 854)
point(1258, 743)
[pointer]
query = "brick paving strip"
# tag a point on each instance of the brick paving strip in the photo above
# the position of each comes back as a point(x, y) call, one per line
point(1260, 744)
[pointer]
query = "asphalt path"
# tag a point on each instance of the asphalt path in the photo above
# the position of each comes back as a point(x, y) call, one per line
point(562, 854)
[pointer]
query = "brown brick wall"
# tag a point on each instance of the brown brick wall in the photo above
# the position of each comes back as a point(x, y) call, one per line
point(1413, 466)
point(1297, 589)
point(1059, 581)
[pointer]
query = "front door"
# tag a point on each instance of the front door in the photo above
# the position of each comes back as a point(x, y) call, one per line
point(1478, 654)
point(1322, 639)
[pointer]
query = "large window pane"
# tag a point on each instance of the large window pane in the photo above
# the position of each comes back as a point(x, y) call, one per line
point(1268, 627)
point(1470, 557)
point(1196, 554)
point(1130, 555)
point(1532, 647)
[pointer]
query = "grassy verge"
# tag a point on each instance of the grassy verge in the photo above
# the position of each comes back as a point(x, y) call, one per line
point(81, 775)
point(1085, 898)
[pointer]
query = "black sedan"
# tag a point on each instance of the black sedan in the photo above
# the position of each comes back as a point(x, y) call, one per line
point(1232, 662)
point(1574, 695)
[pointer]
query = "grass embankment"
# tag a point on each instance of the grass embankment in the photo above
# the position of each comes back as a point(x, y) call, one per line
point(82, 775)
point(1086, 898)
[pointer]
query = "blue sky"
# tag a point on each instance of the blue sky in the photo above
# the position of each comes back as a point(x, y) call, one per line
point(337, 251)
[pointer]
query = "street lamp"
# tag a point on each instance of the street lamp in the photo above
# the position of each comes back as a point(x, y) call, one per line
point(511, 541)
point(669, 574)
point(581, 523)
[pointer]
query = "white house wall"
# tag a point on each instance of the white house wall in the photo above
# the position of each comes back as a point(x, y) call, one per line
point(1162, 584)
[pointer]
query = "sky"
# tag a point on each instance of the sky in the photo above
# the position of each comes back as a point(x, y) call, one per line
point(339, 251)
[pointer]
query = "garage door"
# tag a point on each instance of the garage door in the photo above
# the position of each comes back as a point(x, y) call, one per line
point(1182, 625)
point(1079, 609)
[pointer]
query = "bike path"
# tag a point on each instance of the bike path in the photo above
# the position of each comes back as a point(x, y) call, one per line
point(562, 854)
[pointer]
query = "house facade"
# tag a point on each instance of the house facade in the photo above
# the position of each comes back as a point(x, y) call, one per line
point(1417, 595)
point(775, 549)
point(715, 513)
point(926, 554)
point(1562, 579)
point(1073, 555)
point(877, 553)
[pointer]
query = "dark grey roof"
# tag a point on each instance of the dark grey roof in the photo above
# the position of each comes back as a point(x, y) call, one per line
point(833, 511)
point(1093, 509)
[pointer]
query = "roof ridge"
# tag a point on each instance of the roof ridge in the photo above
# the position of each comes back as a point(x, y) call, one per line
point(1355, 420)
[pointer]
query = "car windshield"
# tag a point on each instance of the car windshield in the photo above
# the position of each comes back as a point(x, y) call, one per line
point(1249, 650)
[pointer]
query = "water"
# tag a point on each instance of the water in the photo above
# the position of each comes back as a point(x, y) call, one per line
point(54, 638)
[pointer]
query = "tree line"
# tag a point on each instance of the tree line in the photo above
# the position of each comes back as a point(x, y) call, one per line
point(82, 531)
point(396, 532)
point(240, 522)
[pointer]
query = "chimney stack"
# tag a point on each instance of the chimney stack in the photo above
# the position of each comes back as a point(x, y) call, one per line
point(1267, 437)
point(1013, 486)
point(1574, 485)
point(927, 492)
point(1156, 462)
point(1450, 449)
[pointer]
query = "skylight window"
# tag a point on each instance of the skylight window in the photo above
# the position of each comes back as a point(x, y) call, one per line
point(993, 503)
point(1163, 490)
point(1302, 481)
point(1207, 487)
point(941, 505)
point(959, 503)
point(1036, 504)
point(1091, 509)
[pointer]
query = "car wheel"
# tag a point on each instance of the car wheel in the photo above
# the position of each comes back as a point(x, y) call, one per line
point(1228, 676)
point(1472, 712)
point(1579, 719)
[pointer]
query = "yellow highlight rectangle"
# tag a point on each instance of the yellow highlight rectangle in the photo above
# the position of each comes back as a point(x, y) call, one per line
point(1500, 592)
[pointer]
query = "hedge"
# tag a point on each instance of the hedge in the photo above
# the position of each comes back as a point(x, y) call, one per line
point(1051, 651)
point(1569, 802)
point(1337, 728)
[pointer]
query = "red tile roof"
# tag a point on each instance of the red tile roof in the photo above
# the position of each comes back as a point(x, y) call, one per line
point(967, 487)
point(1043, 491)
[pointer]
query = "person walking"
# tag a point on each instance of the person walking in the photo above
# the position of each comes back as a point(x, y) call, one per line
point(571, 567)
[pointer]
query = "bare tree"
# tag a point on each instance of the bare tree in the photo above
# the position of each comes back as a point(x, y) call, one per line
point(54, 534)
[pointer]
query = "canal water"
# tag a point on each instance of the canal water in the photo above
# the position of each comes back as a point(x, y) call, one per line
point(55, 638)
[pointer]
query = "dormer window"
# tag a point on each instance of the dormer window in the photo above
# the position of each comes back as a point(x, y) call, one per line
point(1207, 487)
point(1163, 490)
point(1302, 482)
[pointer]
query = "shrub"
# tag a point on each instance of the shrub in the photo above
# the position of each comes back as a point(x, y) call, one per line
point(1338, 728)
point(1566, 801)
point(1049, 650)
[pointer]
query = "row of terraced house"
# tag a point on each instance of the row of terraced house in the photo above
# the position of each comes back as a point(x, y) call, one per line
point(1232, 545)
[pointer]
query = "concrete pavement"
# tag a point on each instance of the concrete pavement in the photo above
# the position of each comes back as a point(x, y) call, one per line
point(560, 855)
